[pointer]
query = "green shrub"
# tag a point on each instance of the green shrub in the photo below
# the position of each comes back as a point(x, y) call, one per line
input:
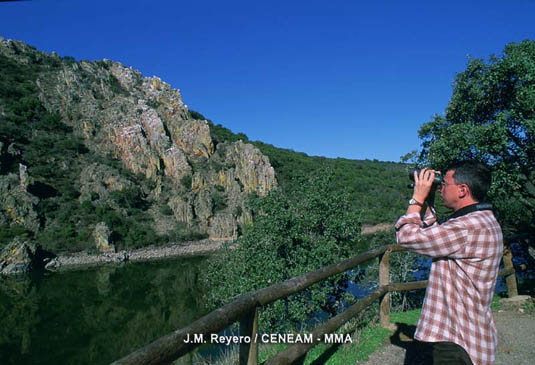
point(7, 233)
point(314, 228)
point(166, 210)
point(186, 181)
point(195, 115)
point(130, 198)
point(185, 234)
point(69, 59)
point(154, 104)
point(219, 201)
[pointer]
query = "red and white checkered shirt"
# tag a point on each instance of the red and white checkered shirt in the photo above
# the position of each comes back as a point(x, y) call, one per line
point(466, 254)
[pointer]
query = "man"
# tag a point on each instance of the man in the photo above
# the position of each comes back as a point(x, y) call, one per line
point(466, 252)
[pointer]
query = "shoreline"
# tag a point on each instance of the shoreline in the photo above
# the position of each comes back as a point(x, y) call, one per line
point(79, 261)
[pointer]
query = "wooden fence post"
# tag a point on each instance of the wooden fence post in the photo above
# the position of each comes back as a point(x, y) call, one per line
point(384, 279)
point(510, 280)
point(249, 328)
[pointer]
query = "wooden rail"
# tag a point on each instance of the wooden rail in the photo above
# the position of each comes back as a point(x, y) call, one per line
point(245, 310)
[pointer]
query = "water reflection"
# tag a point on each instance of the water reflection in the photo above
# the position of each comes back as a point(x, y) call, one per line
point(95, 316)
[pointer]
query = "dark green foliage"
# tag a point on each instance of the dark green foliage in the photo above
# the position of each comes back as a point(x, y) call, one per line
point(195, 115)
point(103, 64)
point(69, 59)
point(132, 199)
point(41, 190)
point(214, 165)
point(491, 118)
point(139, 236)
point(130, 230)
point(219, 133)
point(7, 233)
point(154, 104)
point(182, 233)
point(52, 123)
point(69, 231)
point(25, 109)
point(17, 79)
point(219, 201)
point(314, 228)
point(73, 223)
point(186, 181)
point(165, 210)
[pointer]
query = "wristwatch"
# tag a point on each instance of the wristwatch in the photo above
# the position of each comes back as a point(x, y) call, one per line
point(413, 201)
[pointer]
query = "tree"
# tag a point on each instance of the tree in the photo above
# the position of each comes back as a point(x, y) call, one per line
point(491, 118)
point(292, 234)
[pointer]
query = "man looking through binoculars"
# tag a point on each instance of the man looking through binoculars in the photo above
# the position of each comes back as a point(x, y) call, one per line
point(466, 251)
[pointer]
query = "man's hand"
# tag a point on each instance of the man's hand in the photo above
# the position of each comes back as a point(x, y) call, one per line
point(423, 184)
point(424, 191)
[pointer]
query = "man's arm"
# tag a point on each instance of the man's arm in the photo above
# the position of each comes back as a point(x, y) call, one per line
point(420, 234)
point(445, 240)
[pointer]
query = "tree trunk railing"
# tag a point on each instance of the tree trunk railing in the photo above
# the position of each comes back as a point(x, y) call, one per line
point(245, 310)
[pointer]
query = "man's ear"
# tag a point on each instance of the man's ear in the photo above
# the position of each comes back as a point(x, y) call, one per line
point(463, 191)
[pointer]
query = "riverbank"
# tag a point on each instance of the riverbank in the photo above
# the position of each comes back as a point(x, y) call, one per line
point(81, 260)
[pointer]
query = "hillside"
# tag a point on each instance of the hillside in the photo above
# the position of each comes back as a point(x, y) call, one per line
point(379, 188)
point(93, 154)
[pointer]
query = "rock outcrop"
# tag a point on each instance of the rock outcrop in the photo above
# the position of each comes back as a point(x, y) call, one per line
point(142, 123)
point(101, 234)
point(17, 257)
point(17, 205)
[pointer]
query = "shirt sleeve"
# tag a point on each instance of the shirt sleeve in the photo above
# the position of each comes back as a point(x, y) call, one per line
point(446, 240)
point(429, 220)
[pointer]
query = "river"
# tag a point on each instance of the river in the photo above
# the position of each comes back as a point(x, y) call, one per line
point(97, 315)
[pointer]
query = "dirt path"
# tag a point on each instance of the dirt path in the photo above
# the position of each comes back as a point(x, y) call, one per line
point(516, 333)
point(368, 229)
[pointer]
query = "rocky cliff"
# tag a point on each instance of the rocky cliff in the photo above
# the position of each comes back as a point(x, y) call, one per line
point(130, 145)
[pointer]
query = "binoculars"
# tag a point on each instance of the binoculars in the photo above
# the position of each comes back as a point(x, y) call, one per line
point(437, 181)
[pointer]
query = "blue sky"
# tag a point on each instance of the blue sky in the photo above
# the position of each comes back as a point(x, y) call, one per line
point(335, 78)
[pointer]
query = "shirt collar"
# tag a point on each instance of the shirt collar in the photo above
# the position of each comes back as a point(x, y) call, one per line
point(469, 209)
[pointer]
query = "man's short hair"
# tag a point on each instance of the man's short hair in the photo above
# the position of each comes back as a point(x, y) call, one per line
point(475, 175)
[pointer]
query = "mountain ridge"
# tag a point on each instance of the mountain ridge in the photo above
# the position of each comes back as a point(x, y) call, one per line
point(134, 146)
point(94, 156)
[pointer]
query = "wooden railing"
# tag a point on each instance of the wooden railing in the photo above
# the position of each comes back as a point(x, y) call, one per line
point(245, 310)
